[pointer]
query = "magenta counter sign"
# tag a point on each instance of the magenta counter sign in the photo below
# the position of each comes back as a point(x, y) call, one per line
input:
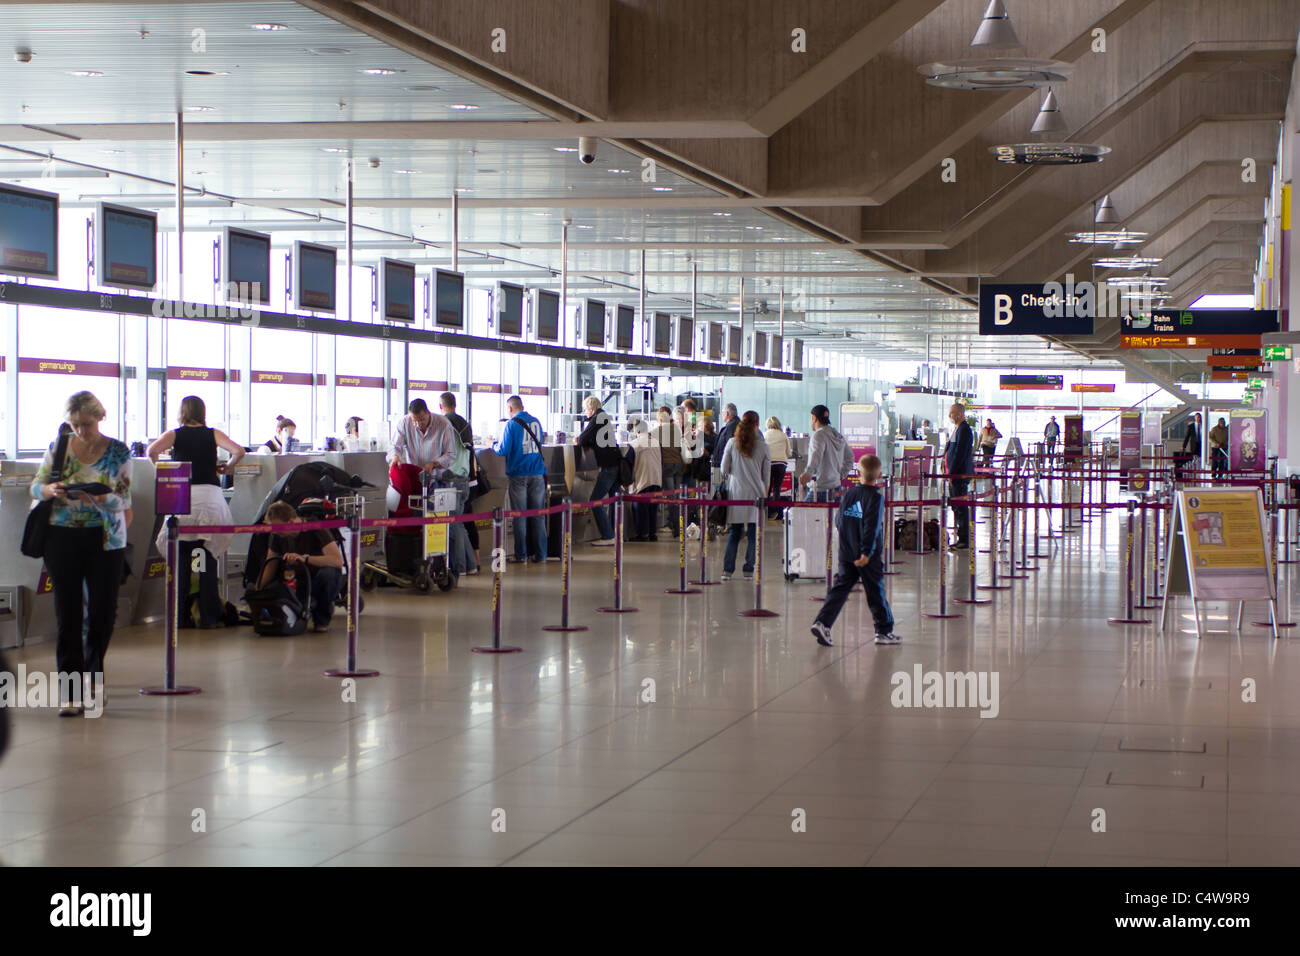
point(172, 488)
point(1130, 440)
point(860, 424)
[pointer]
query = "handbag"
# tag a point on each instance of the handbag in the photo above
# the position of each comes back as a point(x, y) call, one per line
point(37, 527)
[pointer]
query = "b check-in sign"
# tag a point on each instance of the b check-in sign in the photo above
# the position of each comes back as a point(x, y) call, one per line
point(1051, 309)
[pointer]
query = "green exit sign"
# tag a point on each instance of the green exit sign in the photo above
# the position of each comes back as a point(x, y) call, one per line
point(1277, 353)
point(1257, 383)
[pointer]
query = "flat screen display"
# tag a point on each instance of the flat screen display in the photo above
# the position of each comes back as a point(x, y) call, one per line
point(397, 283)
point(509, 304)
point(593, 323)
point(760, 349)
point(733, 344)
point(626, 320)
point(716, 330)
point(448, 299)
point(128, 247)
point(548, 316)
point(775, 351)
point(685, 337)
point(246, 266)
point(796, 355)
point(315, 276)
point(663, 333)
point(29, 232)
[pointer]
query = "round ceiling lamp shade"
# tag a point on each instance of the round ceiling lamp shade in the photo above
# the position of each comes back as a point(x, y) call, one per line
point(995, 30)
point(981, 71)
point(1106, 211)
point(1050, 118)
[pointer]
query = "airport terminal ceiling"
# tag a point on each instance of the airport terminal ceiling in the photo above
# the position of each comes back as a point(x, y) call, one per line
point(871, 236)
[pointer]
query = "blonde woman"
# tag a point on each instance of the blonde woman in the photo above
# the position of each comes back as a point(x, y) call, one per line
point(777, 442)
point(86, 544)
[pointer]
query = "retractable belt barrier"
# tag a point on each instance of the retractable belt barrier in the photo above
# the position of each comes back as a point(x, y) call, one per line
point(1008, 493)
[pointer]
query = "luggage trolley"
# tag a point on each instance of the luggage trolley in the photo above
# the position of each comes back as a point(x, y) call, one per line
point(419, 557)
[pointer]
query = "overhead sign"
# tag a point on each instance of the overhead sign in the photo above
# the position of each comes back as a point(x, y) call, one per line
point(1202, 322)
point(1145, 341)
point(1277, 353)
point(1234, 361)
point(1088, 387)
point(1035, 310)
point(1229, 375)
point(1024, 383)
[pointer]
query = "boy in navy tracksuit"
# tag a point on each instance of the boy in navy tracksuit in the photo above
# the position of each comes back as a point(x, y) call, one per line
point(861, 524)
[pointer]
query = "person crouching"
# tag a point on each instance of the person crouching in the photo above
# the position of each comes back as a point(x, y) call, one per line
point(861, 524)
point(317, 551)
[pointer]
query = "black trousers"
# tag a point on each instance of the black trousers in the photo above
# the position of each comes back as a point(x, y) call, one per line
point(872, 577)
point(211, 609)
point(74, 556)
point(957, 488)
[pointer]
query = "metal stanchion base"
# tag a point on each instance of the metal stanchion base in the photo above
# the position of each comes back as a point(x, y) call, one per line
point(1270, 624)
point(1015, 576)
point(971, 601)
point(942, 617)
point(169, 691)
point(565, 628)
point(993, 587)
point(682, 591)
point(706, 584)
point(495, 650)
point(1128, 620)
point(1145, 607)
point(757, 612)
point(344, 672)
point(618, 610)
point(1287, 561)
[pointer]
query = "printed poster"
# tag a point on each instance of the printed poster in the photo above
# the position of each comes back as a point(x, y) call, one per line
point(1247, 430)
point(860, 426)
point(1227, 549)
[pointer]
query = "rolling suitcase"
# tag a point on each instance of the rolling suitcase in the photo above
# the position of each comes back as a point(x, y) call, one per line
point(804, 551)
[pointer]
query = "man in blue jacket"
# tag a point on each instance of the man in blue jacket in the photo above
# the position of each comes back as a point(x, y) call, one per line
point(521, 447)
point(861, 523)
point(959, 456)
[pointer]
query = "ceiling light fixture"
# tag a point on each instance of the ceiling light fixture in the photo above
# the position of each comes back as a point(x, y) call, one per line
point(1050, 119)
point(269, 27)
point(461, 106)
point(1127, 262)
point(663, 189)
point(380, 71)
point(983, 72)
point(85, 73)
point(200, 109)
point(1106, 211)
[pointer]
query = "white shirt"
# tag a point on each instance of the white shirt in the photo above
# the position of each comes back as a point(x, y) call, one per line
point(436, 446)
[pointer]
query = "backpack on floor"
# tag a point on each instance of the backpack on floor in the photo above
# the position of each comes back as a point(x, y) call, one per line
point(279, 610)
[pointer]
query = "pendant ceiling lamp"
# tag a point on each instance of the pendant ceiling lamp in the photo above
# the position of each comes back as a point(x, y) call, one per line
point(1050, 120)
point(992, 64)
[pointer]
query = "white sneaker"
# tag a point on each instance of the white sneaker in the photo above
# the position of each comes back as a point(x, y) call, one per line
point(725, 577)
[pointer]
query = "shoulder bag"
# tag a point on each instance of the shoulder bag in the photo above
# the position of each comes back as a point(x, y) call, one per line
point(38, 519)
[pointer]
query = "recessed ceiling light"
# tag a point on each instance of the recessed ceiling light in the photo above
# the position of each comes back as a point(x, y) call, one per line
point(461, 106)
point(85, 73)
point(618, 172)
point(380, 71)
point(328, 51)
point(487, 172)
point(199, 109)
point(566, 149)
point(754, 227)
point(406, 172)
point(464, 189)
point(724, 215)
point(112, 152)
point(586, 227)
point(663, 189)
point(269, 27)
point(334, 149)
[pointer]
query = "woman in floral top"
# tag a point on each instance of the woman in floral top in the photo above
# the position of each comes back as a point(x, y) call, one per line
point(86, 540)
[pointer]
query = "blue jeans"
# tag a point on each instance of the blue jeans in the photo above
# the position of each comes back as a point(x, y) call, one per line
point(605, 483)
point(528, 492)
point(325, 586)
point(733, 545)
point(812, 494)
point(672, 481)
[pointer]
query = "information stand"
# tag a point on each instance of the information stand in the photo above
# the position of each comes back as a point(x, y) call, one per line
point(1218, 551)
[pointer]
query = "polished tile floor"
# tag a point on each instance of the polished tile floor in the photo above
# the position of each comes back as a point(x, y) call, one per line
point(556, 756)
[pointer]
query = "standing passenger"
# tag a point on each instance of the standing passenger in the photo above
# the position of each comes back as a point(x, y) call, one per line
point(830, 459)
point(598, 435)
point(521, 447)
point(746, 468)
point(959, 457)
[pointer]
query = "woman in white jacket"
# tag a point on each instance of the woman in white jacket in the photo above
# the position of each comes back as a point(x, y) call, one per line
point(746, 469)
point(647, 478)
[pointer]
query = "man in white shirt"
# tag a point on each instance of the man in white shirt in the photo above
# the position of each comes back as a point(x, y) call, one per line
point(423, 439)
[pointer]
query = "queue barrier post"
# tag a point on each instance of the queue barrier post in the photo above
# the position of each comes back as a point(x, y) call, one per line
point(169, 687)
point(498, 569)
point(354, 604)
point(1128, 617)
point(758, 610)
point(704, 581)
point(1154, 593)
point(681, 553)
point(1141, 589)
point(1273, 533)
point(995, 548)
point(617, 607)
point(830, 576)
point(971, 550)
point(566, 570)
point(943, 613)
point(888, 547)
point(1013, 494)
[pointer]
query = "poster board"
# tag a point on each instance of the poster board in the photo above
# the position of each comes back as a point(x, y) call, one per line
point(171, 492)
point(860, 425)
point(1073, 434)
point(1247, 434)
